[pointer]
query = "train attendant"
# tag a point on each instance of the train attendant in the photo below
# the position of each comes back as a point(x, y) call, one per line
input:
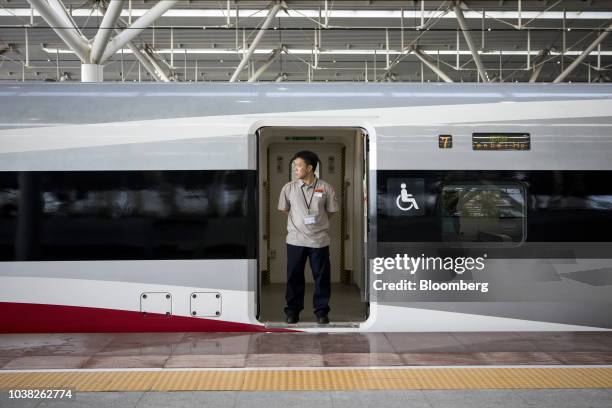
point(310, 203)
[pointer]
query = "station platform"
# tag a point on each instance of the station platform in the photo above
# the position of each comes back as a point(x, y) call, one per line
point(193, 368)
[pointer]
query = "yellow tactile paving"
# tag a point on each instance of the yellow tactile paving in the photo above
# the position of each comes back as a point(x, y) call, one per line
point(337, 379)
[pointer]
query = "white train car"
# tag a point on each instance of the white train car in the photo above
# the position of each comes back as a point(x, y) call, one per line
point(152, 207)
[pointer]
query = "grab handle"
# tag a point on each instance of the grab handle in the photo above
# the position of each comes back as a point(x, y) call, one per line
point(347, 230)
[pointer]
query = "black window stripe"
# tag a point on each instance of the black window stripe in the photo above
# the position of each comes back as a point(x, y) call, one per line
point(127, 215)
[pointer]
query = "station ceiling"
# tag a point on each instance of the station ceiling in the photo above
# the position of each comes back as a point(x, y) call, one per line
point(324, 40)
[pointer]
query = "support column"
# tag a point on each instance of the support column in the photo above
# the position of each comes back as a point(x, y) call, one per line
point(148, 53)
point(136, 28)
point(256, 41)
point(146, 60)
point(92, 73)
point(111, 15)
point(69, 35)
point(538, 64)
point(265, 65)
point(468, 39)
point(425, 59)
point(583, 55)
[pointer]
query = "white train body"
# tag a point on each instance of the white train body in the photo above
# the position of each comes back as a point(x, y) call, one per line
point(139, 207)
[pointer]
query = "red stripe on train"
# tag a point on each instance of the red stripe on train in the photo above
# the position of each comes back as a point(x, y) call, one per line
point(40, 318)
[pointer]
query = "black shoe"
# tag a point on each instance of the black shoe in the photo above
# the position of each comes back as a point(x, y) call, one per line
point(322, 320)
point(291, 319)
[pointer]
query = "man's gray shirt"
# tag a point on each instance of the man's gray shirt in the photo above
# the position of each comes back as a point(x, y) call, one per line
point(324, 201)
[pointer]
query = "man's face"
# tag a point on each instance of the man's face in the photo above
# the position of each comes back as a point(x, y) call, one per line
point(301, 168)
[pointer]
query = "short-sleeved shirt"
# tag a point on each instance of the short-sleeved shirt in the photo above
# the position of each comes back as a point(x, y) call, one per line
point(323, 202)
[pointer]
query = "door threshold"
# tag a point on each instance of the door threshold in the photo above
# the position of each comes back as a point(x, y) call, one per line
point(311, 325)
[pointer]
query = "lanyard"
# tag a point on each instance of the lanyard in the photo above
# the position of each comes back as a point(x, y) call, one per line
point(311, 196)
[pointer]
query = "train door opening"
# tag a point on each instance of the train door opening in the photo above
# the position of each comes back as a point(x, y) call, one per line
point(343, 163)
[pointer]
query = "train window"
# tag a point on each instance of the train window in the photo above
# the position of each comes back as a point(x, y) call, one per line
point(9, 203)
point(521, 207)
point(483, 213)
point(121, 215)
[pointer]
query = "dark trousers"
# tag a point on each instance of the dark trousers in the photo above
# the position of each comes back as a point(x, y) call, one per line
point(319, 264)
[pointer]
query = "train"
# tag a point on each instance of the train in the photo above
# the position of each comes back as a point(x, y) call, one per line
point(133, 207)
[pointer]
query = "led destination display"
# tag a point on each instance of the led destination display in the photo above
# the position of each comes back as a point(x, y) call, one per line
point(501, 141)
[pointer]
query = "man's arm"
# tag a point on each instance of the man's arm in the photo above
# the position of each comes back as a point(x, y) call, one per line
point(283, 202)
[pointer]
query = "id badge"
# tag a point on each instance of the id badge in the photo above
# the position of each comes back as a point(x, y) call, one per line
point(309, 219)
point(318, 195)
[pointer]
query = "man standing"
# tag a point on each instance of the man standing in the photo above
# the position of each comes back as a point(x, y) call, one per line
point(310, 203)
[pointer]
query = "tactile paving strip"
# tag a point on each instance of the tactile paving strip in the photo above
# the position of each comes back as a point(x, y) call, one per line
point(343, 379)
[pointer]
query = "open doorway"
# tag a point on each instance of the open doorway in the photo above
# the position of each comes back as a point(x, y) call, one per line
point(343, 164)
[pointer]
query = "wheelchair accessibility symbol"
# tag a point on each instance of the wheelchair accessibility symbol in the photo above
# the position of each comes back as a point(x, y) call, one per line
point(406, 201)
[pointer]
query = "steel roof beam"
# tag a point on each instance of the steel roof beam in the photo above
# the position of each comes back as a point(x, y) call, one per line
point(142, 56)
point(144, 61)
point(138, 54)
point(265, 65)
point(468, 39)
point(245, 59)
point(107, 26)
point(153, 62)
point(425, 59)
point(4, 48)
point(136, 28)
point(68, 33)
point(538, 64)
point(391, 12)
point(582, 56)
